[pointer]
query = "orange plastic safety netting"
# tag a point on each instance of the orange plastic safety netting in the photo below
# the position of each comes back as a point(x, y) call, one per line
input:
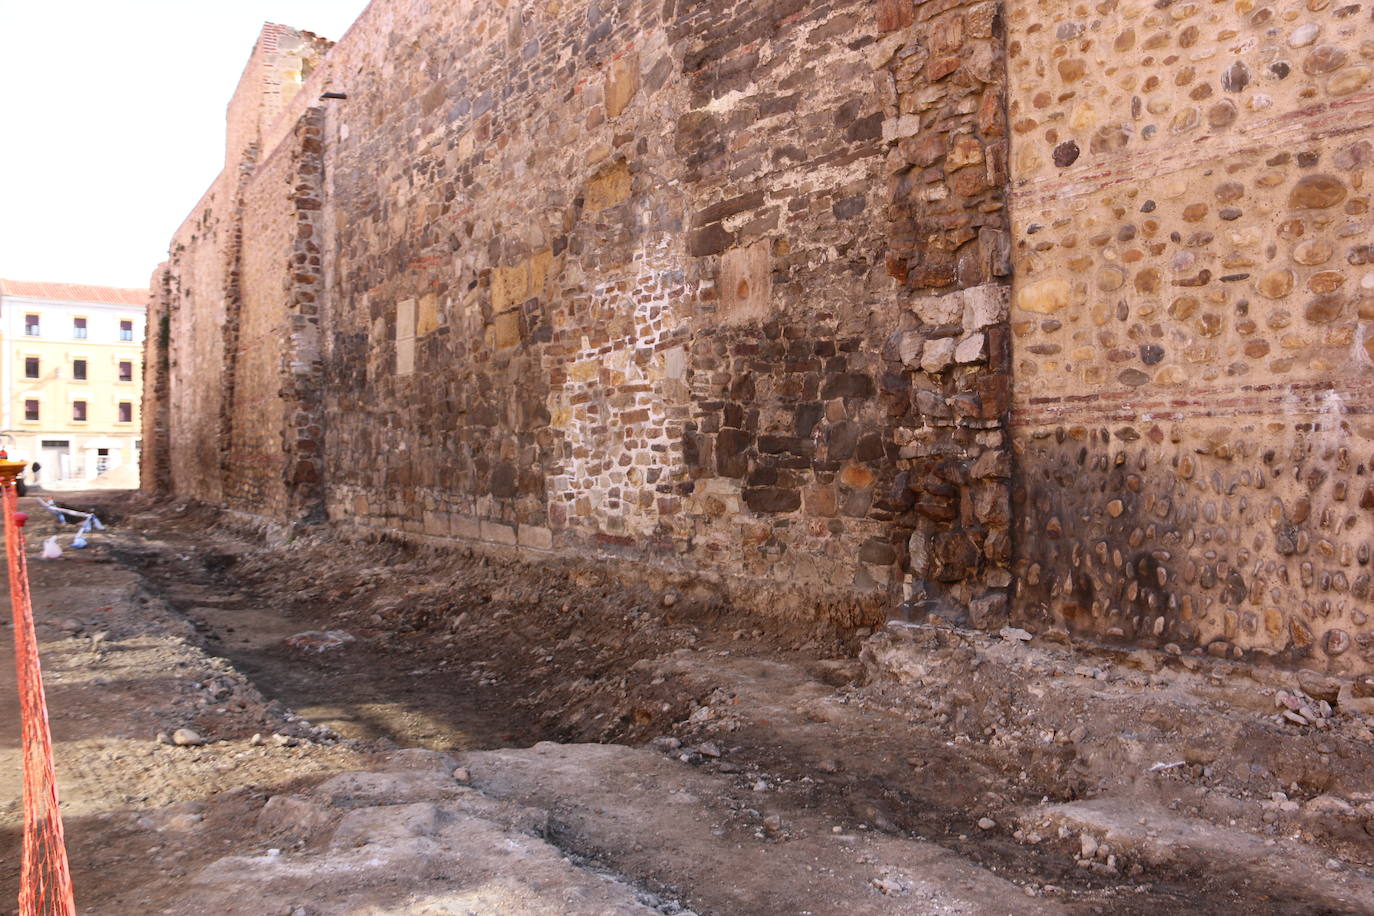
point(45, 887)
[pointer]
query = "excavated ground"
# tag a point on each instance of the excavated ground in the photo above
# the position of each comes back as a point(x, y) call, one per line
point(697, 756)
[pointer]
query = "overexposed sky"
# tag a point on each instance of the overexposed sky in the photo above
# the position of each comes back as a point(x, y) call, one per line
point(112, 123)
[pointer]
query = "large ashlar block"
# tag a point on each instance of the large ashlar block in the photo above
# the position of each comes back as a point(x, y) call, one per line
point(517, 283)
point(498, 532)
point(506, 330)
point(427, 315)
point(746, 282)
point(622, 82)
point(510, 286)
point(609, 186)
point(405, 356)
point(535, 537)
point(405, 337)
point(539, 271)
point(436, 523)
point(675, 363)
point(465, 526)
point(405, 318)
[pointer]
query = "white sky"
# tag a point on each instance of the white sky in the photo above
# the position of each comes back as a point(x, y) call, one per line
point(112, 123)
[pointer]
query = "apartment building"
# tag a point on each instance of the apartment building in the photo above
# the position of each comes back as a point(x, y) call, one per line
point(71, 373)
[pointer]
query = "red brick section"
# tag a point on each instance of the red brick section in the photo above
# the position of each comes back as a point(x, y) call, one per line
point(155, 467)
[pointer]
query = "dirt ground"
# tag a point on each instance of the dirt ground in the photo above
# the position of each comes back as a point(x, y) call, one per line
point(397, 729)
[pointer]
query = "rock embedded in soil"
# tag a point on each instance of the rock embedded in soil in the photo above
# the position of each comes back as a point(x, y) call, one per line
point(187, 737)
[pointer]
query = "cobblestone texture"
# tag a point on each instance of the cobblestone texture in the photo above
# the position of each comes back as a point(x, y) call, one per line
point(1192, 230)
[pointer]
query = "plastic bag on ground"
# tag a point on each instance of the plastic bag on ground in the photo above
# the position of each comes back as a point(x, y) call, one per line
point(50, 549)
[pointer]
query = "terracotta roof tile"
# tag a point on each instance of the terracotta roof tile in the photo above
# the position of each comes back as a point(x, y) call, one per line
point(74, 292)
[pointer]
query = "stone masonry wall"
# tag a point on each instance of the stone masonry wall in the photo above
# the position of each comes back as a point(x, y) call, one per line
point(1013, 312)
point(273, 424)
point(583, 279)
point(155, 458)
point(662, 280)
point(1195, 286)
point(198, 450)
point(198, 275)
point(942, 70)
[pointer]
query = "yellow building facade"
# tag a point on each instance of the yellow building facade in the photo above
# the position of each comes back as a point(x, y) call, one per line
point(71, 368)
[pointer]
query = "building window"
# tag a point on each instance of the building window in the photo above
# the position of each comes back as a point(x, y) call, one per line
point(126, 330)
point(79, 411)
point(126, 370)
point(79, 328)
point(31, 409)
point(30, 367)
point(31, 325)
point(79, 370)
point(126, 412)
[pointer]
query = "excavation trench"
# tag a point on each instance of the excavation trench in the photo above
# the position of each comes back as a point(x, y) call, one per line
point(456, 652)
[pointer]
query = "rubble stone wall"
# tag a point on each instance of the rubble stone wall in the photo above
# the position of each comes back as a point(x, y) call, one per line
point(191, 447)
point(718, 286)
point(1192, 323)
point(272, 428)
point(1021, 312)
point(606, 305)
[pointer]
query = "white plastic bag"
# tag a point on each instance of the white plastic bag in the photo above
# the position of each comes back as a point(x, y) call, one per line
point(50, 549)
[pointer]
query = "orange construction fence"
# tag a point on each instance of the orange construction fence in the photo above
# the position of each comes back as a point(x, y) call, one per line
point(45, 887)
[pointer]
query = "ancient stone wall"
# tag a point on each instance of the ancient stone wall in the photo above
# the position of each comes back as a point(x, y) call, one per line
point(1193, 347)
point(272, 422)
point(200, 268)
point(942, 70)
point(195, 334)
point(155, 456)
point(619, 277)
point(1010, 312)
